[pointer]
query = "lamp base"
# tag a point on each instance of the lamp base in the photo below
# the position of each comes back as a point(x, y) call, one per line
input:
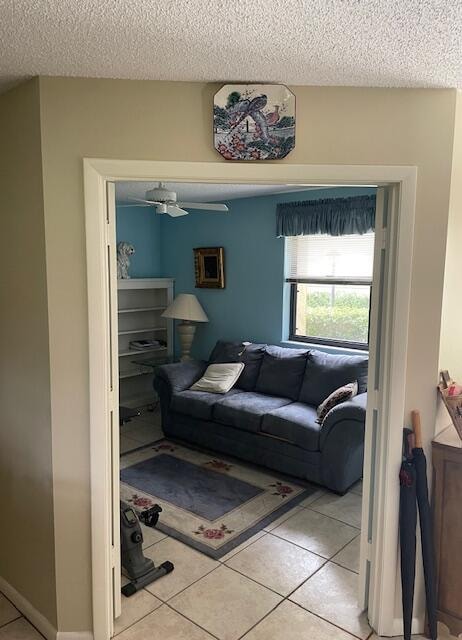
point(186, 331)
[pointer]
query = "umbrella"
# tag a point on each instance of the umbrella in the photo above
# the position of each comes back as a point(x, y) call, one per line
point(426, 526)
point(407, 529)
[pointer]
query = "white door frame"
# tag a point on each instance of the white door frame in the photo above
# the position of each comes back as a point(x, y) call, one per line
point(389, 403)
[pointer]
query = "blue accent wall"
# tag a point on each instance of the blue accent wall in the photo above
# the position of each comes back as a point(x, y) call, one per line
point(254, 304)
point(141, 227)
point(251, 307)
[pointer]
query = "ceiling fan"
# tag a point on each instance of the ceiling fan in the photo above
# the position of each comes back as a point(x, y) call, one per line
point(164, 201)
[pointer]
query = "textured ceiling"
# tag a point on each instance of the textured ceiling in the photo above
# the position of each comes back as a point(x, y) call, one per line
point(198, 192)
point(316, 42)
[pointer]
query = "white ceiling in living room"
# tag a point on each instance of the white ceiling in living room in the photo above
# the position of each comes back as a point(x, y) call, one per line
point(200, 192)
point(389, 43)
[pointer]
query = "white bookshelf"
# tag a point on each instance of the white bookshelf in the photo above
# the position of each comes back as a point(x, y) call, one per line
point(141, 302)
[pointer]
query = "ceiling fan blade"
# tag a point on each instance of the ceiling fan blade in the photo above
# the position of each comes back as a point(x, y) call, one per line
point(145, 201)
point(176, 212)
point(133, 205)
point(206, 206)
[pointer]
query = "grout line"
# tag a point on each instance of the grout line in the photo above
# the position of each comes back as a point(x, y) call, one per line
point(310, 508)
point(142, 617)
point(5, 624)
point(300, 546)
point(192, 622)
point(265, 533)
point(328, 621)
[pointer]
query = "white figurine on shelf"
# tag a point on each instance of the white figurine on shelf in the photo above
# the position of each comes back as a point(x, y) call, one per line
point(124, 251)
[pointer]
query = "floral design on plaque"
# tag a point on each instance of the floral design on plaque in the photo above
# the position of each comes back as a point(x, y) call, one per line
point(254, 121)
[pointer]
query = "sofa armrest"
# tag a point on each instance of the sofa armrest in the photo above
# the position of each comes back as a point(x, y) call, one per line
point(354, 409)
point(180, 375)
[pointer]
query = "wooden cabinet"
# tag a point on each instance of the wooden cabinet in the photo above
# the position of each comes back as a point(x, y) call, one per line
point(447, 510)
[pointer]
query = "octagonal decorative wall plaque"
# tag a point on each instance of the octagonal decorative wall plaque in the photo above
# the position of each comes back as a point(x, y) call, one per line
point(254, 121)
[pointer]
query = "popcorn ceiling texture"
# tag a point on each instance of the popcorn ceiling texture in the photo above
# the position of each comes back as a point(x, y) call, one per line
point(406, 43)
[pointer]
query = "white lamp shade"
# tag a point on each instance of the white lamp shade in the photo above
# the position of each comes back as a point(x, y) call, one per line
point(186, 307)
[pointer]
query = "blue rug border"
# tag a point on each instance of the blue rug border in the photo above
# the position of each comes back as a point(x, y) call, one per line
point(216, 554)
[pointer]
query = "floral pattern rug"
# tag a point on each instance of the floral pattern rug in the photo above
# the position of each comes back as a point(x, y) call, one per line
point(209, 503)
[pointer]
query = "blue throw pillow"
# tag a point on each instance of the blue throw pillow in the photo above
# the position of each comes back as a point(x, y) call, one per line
point(326, 372)
point(281, 372)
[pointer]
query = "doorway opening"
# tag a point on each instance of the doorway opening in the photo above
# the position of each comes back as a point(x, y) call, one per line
point(241, 562)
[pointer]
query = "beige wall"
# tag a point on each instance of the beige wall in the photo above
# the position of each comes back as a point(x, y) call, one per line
point(172, 121)
point(26, 493)
point(451, 332)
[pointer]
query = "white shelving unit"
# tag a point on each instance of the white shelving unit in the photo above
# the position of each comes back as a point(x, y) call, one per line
point(140, 305)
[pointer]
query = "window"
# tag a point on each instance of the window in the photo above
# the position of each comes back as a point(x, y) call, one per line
point(331, 280)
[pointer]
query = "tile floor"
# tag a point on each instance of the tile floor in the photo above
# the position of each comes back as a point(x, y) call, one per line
point(296, 579)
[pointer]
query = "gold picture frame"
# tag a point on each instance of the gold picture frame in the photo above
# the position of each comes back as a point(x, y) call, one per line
point(209, 266)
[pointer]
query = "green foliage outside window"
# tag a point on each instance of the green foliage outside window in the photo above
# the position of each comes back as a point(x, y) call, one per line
point(344, 316)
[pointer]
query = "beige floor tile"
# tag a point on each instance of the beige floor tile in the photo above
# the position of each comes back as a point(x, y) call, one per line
point(332, 593)
point(20, 629)
point(417, 636)
point(165, 624)
point(314, 496)
point(242, 546)
point(8, 612)
point(142, 432)
point(276, 564)
point(151, 536)
point(283, 518)
point(225, 603)
point(349, 556)
point(316, 532)
point(346, 508)
point(134, 608)
point(289, 622)
point(127, 444)
point(190, 565)
point(357, 488)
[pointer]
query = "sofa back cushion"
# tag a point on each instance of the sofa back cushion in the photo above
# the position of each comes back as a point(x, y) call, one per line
point(281, 372)
point(250, 354)
point(225, 351)
point(252, 359)
point(326, 372)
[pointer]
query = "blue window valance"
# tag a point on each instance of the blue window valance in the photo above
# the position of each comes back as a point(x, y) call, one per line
point(332, 216)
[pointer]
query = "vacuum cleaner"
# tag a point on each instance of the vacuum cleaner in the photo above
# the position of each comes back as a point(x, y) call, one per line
point(140, 570)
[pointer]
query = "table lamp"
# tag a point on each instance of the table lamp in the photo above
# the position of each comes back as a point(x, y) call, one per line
point(186, 307)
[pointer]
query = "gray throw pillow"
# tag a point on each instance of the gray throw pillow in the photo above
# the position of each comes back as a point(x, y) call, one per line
point(342, 394)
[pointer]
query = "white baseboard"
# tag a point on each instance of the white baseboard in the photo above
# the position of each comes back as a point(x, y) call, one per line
point(38, 619)
point(28, 610)
point(74, 635)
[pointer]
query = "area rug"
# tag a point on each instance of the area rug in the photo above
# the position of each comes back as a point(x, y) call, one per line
point(209, 503)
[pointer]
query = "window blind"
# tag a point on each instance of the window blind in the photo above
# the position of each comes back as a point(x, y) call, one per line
point(316, 257)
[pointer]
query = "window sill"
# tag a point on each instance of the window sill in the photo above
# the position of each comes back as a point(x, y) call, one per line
point(324, 347)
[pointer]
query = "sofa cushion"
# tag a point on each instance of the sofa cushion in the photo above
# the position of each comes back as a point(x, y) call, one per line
point(281, 372)
point(198, 404)
point(225, 351)
point(296, 423)
point(245, 410)
point(326, 372)
point(252, 359)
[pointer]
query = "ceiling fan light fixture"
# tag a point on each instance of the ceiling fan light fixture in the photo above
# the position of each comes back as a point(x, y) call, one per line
point(161, 208)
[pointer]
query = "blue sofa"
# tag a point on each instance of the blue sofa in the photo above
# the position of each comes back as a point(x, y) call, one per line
point(269, 417)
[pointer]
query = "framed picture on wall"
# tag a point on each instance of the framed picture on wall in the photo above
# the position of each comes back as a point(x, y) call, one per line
point(209, 265)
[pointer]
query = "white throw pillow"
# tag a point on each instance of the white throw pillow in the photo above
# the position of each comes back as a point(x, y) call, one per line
point(219, 378)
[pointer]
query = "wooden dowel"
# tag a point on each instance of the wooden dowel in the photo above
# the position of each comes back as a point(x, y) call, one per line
point(416, 427)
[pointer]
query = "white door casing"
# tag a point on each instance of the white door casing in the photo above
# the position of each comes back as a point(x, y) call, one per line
point(395, 315)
